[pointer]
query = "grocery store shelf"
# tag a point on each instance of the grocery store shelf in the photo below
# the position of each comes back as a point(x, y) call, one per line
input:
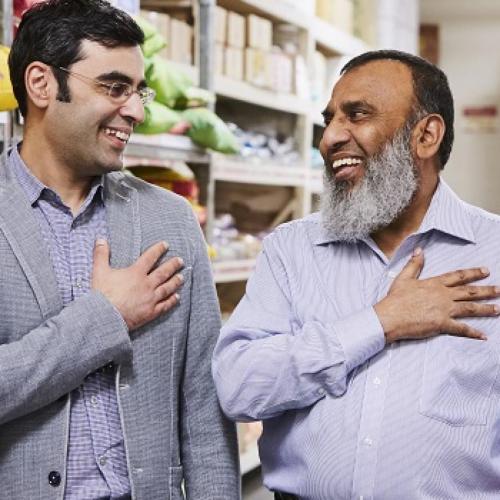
point(335, 41)
point(277, 10)
point(164, 147)
point(249, 459)
point(246, 92)
point(232, 270)
point(234, 170)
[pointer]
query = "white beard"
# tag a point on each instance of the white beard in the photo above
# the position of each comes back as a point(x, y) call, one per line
point(387, 188)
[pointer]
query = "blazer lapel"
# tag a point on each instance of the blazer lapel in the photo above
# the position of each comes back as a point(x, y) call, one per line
point(122, 212)
point(21, 229)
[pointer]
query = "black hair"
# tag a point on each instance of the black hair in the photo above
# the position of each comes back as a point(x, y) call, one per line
point(52, 32)
point(430, 86)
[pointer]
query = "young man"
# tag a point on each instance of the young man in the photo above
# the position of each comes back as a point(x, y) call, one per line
point(371, 370)
point(104, 356)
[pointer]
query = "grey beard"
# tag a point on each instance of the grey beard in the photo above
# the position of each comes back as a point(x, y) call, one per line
point(387, 188)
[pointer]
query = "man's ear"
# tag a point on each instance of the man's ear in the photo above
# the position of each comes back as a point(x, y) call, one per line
point(39, 83)
point(428, 135)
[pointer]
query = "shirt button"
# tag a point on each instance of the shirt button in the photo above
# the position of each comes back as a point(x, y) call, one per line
point(94, 401)
point(54, 478)
point(377, 381)
point(102, 461)
point(79, 282)
point(124, 387)
point(367, 441)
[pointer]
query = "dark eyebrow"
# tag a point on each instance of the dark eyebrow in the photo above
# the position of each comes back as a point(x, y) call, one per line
point(118, 76)
point(351, 106)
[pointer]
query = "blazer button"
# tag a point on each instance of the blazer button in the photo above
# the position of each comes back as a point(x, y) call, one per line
point(54, 478)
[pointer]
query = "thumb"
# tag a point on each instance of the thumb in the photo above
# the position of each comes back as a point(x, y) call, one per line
point(413, 267)
point(101, 255)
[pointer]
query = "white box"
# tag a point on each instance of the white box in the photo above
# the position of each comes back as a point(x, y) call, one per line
point(235, 30)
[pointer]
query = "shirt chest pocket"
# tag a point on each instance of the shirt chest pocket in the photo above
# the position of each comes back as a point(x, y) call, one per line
point(459, 380)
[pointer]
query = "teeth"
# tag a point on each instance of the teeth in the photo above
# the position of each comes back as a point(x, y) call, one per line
point(345, 161)
point(123, 136)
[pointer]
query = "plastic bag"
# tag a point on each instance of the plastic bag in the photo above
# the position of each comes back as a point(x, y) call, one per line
point(158, 118)
point(7, 99)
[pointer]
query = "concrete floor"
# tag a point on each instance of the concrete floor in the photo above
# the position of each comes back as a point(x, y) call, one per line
point(253, 489)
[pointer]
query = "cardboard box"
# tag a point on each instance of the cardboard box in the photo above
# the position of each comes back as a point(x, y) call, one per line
point(219, 59)
point(235, 30)
point(181, 42)
point(220, 24)
point(259, 32)
point(233, 63)
point(266, 34)
point(340, 13)
point(255, 66)
point(279, 71)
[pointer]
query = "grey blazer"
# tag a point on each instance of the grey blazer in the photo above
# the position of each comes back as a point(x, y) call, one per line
point(173, 427)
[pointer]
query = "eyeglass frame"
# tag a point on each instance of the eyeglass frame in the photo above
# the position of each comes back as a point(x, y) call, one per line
point(146, 94)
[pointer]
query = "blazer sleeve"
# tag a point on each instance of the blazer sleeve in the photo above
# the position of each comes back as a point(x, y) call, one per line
point(209, 446)
point(54, 358)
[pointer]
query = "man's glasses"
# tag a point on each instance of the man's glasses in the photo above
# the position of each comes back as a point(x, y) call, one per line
point(119, 92)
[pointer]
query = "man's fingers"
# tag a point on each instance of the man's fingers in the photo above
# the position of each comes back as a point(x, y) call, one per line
point(458, 329)
point(165, 290)
point(413, 267)
point(151, 256)
point(463, 276)
point(101, 254)
point(164, 272)
point(166, 305)
point(473, 292)
point(474, 309)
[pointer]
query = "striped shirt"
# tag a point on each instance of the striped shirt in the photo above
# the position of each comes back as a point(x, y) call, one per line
point(346, 416)
point(96, 464)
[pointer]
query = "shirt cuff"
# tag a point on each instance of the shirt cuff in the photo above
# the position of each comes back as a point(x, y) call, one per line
point(361, 336)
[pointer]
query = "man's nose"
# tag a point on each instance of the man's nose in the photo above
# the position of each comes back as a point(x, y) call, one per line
point(133, 109)
point(336, 134)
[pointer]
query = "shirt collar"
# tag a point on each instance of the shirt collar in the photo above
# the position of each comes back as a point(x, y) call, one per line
point(34, 188)
point(446, 213)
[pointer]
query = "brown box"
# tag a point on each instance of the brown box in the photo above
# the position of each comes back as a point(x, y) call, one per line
point(180, 42)
point(233, 63)
point(255, 66)
point(259, 32)
point(219, 59)
point(235, 30)
point(220, 24)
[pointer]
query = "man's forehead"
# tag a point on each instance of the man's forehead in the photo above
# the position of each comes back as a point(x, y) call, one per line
point(379, 80)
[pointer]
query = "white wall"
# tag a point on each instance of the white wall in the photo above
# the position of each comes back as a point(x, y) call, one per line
point(470, 56)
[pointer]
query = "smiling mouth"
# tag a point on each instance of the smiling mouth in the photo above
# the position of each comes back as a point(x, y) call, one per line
point(344, 162)
point(118, 134)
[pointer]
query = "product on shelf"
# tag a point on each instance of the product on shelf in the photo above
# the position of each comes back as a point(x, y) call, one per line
point(258, 147)
point(7, 99)
point(158, 118)
point(175, 176)
point(340, 13)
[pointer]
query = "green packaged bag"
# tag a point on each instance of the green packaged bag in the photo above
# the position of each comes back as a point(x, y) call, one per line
point(153, 41)
point(158, 119)
point(209, 131)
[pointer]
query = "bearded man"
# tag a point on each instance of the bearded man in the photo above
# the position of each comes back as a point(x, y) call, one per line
point(375, 374)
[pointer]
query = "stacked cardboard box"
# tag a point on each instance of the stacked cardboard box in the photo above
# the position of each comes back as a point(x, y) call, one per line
point(177, 33)
point(340, 13)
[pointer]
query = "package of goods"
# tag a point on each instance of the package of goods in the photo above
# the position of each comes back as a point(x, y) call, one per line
point(153, 40)
point(220, 24)
point(340, 13)
point(318, 77)
point(158, 118)
point(180, 42)
point(364, 21)
point(209, 131)
point(169, 84)
point(7, 99)
point(279, 71)
point(194, 97)
point(259, 32)
point(161, 23)
point(219, 59)
point(287, 37)
point(255, 66)
point(235, 30)
point(233, 63)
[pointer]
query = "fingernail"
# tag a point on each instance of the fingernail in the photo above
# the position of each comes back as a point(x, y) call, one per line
point(180, 278)
point(100, 242)
point(180, 261)
point(165, 244)
point(496, 309)
point(497, 289)
point(417, 252)
point(485, 270)
point(177, 297)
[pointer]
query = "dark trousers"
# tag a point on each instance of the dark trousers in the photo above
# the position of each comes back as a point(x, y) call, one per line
point(278, 495)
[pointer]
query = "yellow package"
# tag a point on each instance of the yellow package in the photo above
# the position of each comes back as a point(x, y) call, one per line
point(7, 99)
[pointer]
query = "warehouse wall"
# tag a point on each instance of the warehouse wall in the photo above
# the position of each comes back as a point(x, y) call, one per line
point(469, 59)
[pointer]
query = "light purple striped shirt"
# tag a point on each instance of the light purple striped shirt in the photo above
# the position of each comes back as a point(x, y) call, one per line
point(345, 416)
point(96, 465)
